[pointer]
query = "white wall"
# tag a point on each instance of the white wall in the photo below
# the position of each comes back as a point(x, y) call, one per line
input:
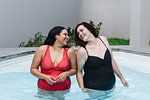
point(21, 19)
point(145, 29)
point(140, 23)
point(114, 14)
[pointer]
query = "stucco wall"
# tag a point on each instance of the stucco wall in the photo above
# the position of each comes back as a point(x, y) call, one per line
point(140, 23)
point(21, 19)
point(114, 14)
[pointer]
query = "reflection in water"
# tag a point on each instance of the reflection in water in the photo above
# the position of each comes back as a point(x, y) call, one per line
point(99, 95)
point(51, 95)
point(23, 86)
point(61, 95)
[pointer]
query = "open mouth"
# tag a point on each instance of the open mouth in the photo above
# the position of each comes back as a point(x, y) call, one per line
point(66, 40)
point(82, 36)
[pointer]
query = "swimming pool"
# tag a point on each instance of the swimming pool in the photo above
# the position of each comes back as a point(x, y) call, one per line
point(17, 83)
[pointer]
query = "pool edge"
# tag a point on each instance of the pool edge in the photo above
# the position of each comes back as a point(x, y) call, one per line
point(114, 49)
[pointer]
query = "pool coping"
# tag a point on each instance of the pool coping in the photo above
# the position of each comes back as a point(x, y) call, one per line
point(16, 55)
point(131, 51)
point(114, 49)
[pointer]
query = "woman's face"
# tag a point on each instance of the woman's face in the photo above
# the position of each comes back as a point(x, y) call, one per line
point(83, 33)
point(62, 37)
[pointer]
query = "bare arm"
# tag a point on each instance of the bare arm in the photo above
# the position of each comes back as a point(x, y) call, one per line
point(35, 65)
point(118, 73)
point(81, 59)
point(72, 59)
point(114, 64)
point(72, 70)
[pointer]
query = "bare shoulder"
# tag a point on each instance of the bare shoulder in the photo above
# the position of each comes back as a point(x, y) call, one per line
point(81, 51)
point(71, 50)
point(41, 50)
point(103, 38)
point(81, 57)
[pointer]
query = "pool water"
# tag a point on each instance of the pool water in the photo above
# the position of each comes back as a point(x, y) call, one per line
point(17, 83)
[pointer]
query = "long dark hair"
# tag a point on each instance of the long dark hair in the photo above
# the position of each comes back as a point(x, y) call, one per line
point(90, 28)
point(51, 35)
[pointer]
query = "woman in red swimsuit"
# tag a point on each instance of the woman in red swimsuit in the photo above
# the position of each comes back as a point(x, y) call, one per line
point(56, 61)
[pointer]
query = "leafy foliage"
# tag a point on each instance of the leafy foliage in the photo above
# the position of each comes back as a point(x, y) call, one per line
point(112, 41)
point(118, 41)
point(71, 34)
point(36, 42)
point(39, 39)
point(97, 27)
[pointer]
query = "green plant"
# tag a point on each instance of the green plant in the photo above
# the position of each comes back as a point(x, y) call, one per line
point(97, 27)
point(37, 41)
point(118, 41)
point(71, 34)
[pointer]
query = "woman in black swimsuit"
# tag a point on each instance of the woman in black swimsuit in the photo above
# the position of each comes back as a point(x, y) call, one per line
point(95, 57)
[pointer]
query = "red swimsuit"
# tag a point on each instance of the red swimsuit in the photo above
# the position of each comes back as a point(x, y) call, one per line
point(48, 68)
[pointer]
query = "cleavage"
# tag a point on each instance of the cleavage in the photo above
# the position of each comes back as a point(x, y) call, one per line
point(97, 55)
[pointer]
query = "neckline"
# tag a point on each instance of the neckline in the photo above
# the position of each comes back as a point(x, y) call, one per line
point(59, 61)
point(104, 52)
point(100, 57)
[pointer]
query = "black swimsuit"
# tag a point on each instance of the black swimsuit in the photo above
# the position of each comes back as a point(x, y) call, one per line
point(98, 73)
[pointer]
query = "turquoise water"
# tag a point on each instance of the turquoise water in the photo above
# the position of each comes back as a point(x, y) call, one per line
point(17, 85)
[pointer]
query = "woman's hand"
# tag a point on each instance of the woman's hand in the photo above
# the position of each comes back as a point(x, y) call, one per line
point(49, 79)
point(84, 90)
point(62, 77)
point(124, 82)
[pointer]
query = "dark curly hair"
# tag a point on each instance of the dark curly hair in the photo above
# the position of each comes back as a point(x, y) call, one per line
point(52, 33)
point(90, 28)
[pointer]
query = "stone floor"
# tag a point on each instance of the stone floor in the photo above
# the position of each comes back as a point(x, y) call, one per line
point(8, 53)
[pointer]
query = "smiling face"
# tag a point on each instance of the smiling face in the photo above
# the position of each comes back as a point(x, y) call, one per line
point(83, 33)
point(62, 37)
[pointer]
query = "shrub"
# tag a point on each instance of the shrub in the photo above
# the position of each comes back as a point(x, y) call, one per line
point(97, 27)
point(71, 34)
point(118, 41)
point(37, 41)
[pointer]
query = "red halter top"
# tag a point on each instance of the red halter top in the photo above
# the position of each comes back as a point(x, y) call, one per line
point(48, 68)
